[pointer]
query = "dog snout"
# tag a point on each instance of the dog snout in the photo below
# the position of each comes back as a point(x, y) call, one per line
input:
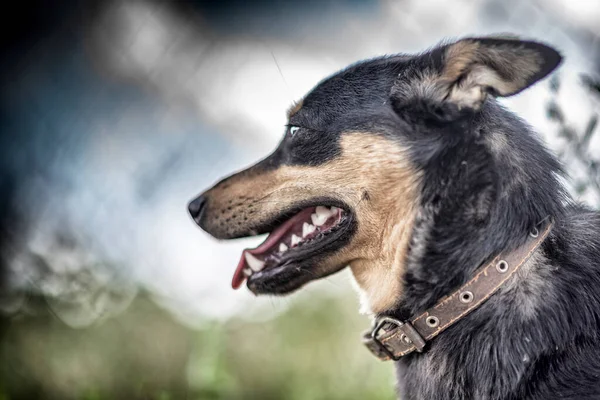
point(196, 208)
point(232, 207)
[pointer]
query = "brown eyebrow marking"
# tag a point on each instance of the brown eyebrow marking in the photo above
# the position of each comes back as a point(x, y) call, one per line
point(294, 108)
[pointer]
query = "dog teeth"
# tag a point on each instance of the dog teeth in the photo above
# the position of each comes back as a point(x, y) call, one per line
point(320, 210)
point(320, 216)
point(247, 271)
point(334, 210)
point(254, 262)
point(282, 247)
point(295, 240)
point(307, 229)
point(318, 220)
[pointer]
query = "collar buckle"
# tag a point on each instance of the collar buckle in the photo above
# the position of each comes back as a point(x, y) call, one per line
point(409, 335)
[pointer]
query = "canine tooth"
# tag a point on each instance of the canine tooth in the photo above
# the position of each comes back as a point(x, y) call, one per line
point(323, 213)
point(323, 210)
point(317, 219)
point(282, 247)
point(254, 262)
point(307, 229)
point(334, 210)
point(247, 271)
point(295, 240)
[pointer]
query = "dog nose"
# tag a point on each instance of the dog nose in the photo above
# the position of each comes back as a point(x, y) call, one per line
point(196, 207)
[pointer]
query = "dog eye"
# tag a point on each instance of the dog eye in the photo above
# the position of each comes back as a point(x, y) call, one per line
point(293, 130)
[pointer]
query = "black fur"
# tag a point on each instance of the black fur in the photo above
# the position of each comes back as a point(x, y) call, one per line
point(356, 99)
point(476, 202)
point(487, 181)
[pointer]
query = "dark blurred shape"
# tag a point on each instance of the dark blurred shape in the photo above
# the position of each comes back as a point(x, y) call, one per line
point(9, 225)
point(31, 22)
point(275, 17)
point(592, 84)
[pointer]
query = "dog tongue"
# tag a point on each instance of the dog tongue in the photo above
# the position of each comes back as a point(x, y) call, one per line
point(272, 240)
point(238, 275)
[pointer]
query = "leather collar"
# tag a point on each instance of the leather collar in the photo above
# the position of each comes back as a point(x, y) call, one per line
point(393, 339)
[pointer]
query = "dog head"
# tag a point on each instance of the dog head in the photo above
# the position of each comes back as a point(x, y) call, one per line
point(345, 185)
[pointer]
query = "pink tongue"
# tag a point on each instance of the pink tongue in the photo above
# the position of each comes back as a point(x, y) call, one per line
point(238, 275)
point(272, 240)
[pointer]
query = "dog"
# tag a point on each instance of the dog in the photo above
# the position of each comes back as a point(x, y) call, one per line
point(407, 170)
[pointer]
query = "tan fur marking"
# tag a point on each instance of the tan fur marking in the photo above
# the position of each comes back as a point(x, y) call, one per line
point(294, 108)
point(368, 163)
point(459, 58)
point(470, 69)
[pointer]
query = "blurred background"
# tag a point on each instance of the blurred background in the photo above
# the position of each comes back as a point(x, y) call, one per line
point(115, 113)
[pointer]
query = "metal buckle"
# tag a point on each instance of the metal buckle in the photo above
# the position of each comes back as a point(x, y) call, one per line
point(378, 325)
point(410, 336)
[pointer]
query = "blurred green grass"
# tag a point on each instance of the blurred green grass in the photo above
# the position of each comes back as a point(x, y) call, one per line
point(311, 351)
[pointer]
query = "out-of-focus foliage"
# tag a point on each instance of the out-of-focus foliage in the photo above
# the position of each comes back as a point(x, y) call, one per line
point(309, 352)
point(576, 153)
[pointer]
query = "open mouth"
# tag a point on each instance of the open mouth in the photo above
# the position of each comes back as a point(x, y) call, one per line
point(304, 235)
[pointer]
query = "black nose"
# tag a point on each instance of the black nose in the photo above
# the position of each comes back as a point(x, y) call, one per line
point(196, 207)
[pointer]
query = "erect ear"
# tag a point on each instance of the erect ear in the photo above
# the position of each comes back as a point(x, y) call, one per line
point(464, 73)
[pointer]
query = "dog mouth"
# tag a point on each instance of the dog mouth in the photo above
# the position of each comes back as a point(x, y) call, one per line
point(305, 235)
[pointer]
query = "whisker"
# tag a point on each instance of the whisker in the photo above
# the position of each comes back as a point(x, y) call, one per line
point(282, 77)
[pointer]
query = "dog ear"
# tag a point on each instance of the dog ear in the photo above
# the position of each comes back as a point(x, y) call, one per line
point(461, 75)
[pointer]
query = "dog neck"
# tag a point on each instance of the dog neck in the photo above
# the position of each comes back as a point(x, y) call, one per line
point(472, 208)
point(376, 275)
point(404, 337)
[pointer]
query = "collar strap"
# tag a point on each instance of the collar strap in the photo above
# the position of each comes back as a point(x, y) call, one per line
point(393, 339)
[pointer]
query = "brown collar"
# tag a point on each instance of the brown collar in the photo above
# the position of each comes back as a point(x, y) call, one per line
point(392, 339)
